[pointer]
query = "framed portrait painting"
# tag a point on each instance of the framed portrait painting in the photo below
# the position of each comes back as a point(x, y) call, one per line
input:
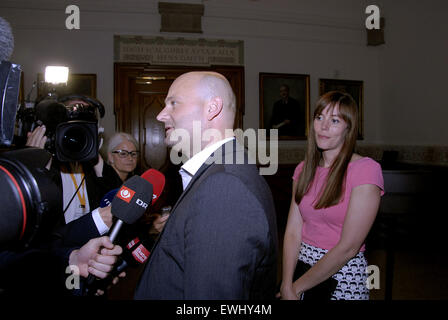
point(285, 104)
point(353, 87)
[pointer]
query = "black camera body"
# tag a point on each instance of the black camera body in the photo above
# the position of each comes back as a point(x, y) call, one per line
point(32, 194)
point(71, 130)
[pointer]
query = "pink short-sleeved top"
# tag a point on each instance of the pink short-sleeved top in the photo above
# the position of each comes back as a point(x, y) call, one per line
point(323, 227)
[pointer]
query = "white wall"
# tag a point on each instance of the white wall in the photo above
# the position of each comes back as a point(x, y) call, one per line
point(413, 73)
point(41, 39)
point(325, 39)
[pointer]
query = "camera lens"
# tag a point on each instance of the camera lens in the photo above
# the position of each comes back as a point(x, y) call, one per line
point(74, 140)
point(33, 200)
point(77, 141)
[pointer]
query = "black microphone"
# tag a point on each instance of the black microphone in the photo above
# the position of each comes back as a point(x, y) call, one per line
point(135, 253)
point(128, 205)
point(9, 85)
point(138, 254)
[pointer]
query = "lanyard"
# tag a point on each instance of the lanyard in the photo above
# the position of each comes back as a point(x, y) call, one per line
point(81, 196)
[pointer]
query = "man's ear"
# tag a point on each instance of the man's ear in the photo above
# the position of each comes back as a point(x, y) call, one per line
point(214, 108)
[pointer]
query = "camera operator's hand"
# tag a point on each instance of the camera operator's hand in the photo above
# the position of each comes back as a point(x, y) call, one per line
point(90, 259)
point(37, 138)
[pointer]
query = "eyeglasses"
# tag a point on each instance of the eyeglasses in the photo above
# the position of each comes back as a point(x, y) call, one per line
point(124, 153)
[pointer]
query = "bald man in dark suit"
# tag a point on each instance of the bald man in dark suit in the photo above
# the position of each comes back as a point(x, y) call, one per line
point(220, 241)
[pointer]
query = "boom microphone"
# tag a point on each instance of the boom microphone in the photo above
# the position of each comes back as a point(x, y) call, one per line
point(9, 94)
point(9, 84)
point(6, 40)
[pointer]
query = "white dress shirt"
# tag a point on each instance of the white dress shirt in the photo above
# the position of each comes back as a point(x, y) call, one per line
point(189, 169)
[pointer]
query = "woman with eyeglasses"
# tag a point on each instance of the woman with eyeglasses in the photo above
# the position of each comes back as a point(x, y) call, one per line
point(122, 156)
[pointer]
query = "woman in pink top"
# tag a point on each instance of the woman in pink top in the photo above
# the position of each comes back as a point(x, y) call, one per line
point(336, 195)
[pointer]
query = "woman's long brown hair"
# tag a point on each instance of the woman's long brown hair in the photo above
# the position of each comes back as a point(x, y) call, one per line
point(334, 186)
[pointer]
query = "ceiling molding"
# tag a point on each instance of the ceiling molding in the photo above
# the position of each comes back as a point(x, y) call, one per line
point(244, 10)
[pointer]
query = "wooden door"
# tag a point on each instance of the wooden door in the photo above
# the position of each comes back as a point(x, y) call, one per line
point(140, 92)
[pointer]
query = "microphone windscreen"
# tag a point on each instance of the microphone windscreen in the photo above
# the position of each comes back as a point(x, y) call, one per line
point(157, 179)
point(108, 197)
point(132, 200)
point(6, 40)
point(9, 94)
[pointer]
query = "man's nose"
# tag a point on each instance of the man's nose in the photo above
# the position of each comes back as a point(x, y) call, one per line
point(162, 115)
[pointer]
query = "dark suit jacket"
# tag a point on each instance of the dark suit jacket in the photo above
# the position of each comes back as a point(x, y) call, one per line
point(220, 241)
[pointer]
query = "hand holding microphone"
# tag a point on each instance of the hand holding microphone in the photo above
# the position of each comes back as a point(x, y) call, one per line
point(129, 203)
point(91, 260)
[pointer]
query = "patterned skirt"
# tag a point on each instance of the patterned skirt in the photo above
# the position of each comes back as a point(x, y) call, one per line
point(352, 278)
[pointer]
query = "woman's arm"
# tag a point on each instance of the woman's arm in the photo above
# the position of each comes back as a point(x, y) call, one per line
point(361, 213)
point(291, 247)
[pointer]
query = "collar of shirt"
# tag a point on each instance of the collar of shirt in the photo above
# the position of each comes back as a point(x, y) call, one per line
point(189, 169)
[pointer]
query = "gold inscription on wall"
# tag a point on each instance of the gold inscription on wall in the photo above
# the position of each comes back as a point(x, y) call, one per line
point(180, 51)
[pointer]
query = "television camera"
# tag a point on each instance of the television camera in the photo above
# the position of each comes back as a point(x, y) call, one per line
point(32, 199)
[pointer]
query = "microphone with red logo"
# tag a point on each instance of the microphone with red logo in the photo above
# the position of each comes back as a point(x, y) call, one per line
point(157, 179)
point(137, 251)
point(154, 177)
point(128, 205)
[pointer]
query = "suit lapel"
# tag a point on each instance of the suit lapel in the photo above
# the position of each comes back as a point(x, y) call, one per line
point(231, 148)
point(201, 170)
point(227, 149)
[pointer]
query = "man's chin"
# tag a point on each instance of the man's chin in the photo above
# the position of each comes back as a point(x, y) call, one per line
point(169, 143)
point(174, 145)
